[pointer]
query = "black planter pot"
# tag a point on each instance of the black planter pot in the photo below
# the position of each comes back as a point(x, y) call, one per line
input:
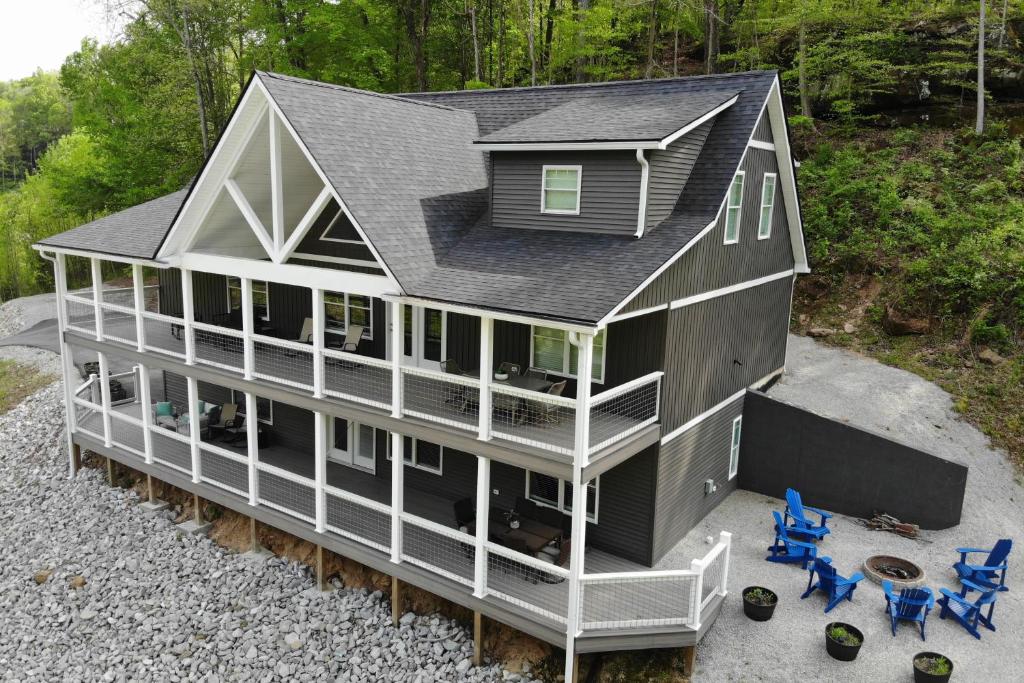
point(925, 677)
point(841, 651)
point(759, 612)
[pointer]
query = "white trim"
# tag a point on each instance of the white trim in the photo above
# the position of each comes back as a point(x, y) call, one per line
point(250, 216)
point(305, 223)
point(734, 445)
point(496, 314)
point(241, 290)
point(353, 441)
point(731, 289)
point(564, 146)
point(334, 259)
point(742, 175)
point(760, 144)
point(784, 156)
point(324, 238)
point(770, 205)
point(669, 139)
point(414, 462)
point(567, 355)
point(560, 504)
point(266, 421)
point(44, 248)
point(276, 188)
point(645, 176)
point(544, 188)
point(703, 416)
point(346, 304)
point(639, 312)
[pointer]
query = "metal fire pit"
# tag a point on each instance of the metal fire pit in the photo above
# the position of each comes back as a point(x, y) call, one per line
point(902, 573)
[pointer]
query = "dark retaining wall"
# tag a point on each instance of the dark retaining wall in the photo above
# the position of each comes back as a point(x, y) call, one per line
point(844, 469)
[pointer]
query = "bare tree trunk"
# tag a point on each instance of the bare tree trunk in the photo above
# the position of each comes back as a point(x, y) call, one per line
point(710, 36)
point(805, 98)
point(186, 40)
point(979, 124)
point(549, 32)
point(417, 25)
point(530, 39)
point(652, 35)
point(1002, 27)
point(675, 42)
point(501, 44)
point(581, 41)
point(476, 41)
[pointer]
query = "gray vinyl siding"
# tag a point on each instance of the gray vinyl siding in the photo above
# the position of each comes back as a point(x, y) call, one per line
point(684, 464)
point(718, 347)
point(669, 170)
point(711, 264)
point(609, 192)
point(763, 130)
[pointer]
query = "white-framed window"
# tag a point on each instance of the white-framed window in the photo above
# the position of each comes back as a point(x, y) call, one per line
point(260, 297)
point(734, 448)
point(422, 455)
point(264, 407)
point(733, 207)
point(342, 310)
point(560, 189)
point(764, 224)
point(352, 444)
point(550, 492)
point(551, 350)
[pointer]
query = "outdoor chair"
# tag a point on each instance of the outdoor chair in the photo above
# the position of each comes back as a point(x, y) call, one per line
point(911, 604)
point(969, 614)
point(524, 570)
point(163, 415)
point(350, 344)
point(536, 373)
point(465, 515)
point(836, 587)
point(509, 369)
point(219, 422)
point(992, 572)
point(454, 394)
point(542, 412)
point(306, 333)
point(789, 550)
point(235, 431)
point(802, 526)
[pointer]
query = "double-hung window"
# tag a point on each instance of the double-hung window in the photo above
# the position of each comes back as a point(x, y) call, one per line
point(764, 225)
point(560, 189)
point(733, 207)
point(554, 352)
point(342, 310)
point(557, 493)
point(422, 455)
point(734, 448)
point(260, 297)
point(264, 407)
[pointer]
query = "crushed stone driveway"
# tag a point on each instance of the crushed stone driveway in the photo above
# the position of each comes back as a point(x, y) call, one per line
point(850, 387)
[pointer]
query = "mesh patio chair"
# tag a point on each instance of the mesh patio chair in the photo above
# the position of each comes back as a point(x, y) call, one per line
point(454, 394)
point(542, 412)
point(536, 373)
point(353, 335)
point(228, 411)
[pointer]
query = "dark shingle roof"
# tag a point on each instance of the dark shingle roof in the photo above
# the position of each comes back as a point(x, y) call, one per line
point(136, 232)
point(613, 117)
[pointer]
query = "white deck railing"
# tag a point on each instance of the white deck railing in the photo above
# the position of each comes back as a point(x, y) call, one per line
point(624, 410)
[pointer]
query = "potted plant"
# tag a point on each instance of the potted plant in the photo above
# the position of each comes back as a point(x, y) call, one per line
point(759, 603)
point(931, 667)
point(843, 641)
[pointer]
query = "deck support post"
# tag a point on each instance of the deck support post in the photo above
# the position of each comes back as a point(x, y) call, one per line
point(197, 509)
point(483, 493)
point(478, 638)
point(321, 577)
point(397, 494)
point(689, 659)
point(248, 348)
point(318, 342)
point(585, 364)
point(194, 428)
point(320, 471)
point(253, 448)
point(575, 669)
point(76, 458)
point(110, 471)
point(486, 374)
point(188, 316)
point(396, 601)
point(150, 495)
point(67, 365)
point(254, 539)
point(139, 293)
point(104, 380)
point(143, 392)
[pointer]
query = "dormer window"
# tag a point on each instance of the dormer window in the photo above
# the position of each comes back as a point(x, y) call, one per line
point(560, 192)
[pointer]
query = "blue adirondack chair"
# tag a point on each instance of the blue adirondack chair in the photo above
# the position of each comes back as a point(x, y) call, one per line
point(805, 527)
point(787, 549)
point(836, 587)
point(969, 614)
point(992, 572)
point(912, 604)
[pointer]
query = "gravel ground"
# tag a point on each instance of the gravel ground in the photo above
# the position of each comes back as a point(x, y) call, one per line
point(20, 314)
point(849, 387)
point(159, 605)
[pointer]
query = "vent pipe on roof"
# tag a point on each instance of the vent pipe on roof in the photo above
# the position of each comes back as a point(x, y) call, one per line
point(645, 169)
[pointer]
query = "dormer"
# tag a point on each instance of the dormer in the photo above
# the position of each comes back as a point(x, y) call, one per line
point(609, 164)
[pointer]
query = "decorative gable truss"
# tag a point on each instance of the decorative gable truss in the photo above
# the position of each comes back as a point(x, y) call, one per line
point(260, 193)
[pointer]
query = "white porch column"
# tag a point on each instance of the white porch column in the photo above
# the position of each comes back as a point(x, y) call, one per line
point(97, 295)
point(584, 367)
point(67, 364)
point(397, 347)
point(138, 289)
point(188, 315)
point(483, 498)
point(193, 428)
point(248, 347)
point(320, 463)
point(104, 380)
point(143, 392)
point(318, 343)
point(253, 446)
point(486, 374)
point(397, 493)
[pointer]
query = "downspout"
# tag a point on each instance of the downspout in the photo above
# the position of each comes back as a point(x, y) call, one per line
point(645, 172)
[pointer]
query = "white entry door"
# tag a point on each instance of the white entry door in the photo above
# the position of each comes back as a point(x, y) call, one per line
point(352, 444)
point(424, 342)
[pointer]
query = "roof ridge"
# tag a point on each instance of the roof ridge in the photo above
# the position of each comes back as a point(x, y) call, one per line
point(355, 91)
point(567, 86)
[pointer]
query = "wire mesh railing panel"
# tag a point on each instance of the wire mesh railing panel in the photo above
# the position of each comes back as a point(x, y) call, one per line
point(81, 315)
point(347, 516)
point(636, 601)
point(127, 434)
point(444, 551)
point(119, 296)
point(225, 469)
point(356, 378)
point(714, 575)
point(164, 334)
point(623, 414)
point(123, 388)
point(287, 494)
point(533, 419)
point(448, 399)
point(88, 418)
point(528, 583)
point(287, 363)
point(220, 349)
point(171, 449)
point(118, 324)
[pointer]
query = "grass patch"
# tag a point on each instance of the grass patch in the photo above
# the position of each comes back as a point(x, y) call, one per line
point(17, 382)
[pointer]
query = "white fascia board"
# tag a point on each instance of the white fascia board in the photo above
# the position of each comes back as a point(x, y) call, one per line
point(731, 289)
point(49, 248)
point(490, 313)
point(305, 224)
point(669, 139)
point(787, 173)
point(564, 146)
point(329, 279)
point(760, 144)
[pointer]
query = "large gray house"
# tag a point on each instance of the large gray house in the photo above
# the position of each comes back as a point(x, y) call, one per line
point(357, 278)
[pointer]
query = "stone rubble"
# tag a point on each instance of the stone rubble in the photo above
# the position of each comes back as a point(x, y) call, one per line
point(157, 605)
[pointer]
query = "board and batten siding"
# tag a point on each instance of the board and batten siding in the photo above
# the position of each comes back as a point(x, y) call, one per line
point(684, 464)
point(763, 129)
point(669, 170)
point(711, 264)
point(609, 192)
